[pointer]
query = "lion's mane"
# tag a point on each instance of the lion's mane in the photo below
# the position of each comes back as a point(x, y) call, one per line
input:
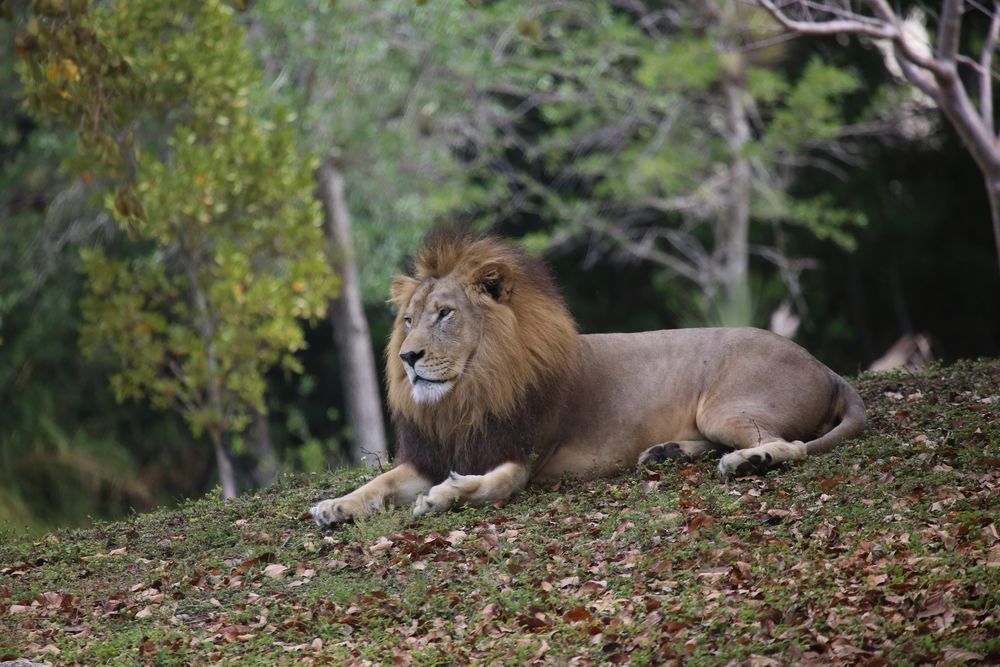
point(515, 385)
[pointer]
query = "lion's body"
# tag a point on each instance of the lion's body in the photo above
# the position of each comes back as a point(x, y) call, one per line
point(491, 385)
point(689, 385)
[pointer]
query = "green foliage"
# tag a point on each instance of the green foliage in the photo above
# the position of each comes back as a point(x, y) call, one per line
point(688, 63)
point(608, 131)
point(554, 123)
point(232, 256)
point(60, 459)
point(794, 117)
point(380, 91)
point(805, 113)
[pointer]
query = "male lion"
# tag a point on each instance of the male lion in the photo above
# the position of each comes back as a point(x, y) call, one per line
point(490, 385)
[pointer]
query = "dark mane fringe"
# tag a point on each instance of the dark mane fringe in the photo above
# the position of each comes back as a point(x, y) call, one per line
point(497, 440)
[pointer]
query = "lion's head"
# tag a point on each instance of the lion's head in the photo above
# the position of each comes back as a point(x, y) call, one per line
point(480, 325)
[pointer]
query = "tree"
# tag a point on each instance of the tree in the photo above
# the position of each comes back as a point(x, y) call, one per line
point(656, 136)
point(227, 255)
point(372, 93)
point(347, 316)
point(50, 468)
point(666, 137)
point(934, 73)
point(380, 90)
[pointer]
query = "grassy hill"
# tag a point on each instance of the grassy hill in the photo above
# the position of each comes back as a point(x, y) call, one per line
point(885, 551)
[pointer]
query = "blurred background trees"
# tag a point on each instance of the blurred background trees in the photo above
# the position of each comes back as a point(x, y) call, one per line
point(225, 260)
point(677, 163)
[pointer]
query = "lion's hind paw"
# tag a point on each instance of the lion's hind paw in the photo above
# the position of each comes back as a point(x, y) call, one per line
point(738, 464)
point(667, 451)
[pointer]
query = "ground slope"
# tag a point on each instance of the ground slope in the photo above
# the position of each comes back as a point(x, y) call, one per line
point(885, 551)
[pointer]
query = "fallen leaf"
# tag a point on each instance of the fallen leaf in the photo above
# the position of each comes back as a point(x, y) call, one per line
point(532, 622)
point(961, 655)
point(699, 520)
point(381, 544)
point(275, 570)
point(934, 606)
point(592, 586)
point(713, 572)
point(455, 537)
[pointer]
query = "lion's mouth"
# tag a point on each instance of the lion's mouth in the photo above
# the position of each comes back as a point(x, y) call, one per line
point(428, 391)
point(420, 378)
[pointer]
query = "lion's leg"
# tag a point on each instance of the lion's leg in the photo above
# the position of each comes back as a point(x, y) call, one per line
point(757, 447)
point(399, 486)
point(682, 451)
point(498, 484)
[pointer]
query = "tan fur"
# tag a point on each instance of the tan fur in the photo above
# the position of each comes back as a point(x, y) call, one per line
point(492, 336)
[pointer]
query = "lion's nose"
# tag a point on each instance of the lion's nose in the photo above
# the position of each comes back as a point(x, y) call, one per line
point(411, 358)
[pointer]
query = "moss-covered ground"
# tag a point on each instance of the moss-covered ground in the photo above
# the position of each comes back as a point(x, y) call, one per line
point(885, 551)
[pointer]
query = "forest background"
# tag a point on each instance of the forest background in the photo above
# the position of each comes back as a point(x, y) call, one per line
point(176, 282)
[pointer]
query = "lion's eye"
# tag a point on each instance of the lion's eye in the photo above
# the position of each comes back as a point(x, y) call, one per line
point(445, 312)
point(408, 320)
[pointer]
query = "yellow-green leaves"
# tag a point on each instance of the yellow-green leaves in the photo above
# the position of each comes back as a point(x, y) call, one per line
point(226, 258)
point(685, 64)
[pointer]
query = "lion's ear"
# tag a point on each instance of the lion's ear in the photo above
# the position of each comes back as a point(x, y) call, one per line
point(402, 289)
point(494, 279)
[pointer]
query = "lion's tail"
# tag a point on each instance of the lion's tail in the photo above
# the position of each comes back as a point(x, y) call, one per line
point(853, 420)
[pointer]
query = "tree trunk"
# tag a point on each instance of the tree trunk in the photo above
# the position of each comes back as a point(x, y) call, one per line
point(734, 227)
point(265, 471)
point(362, 391)
point(227, 474)
point(993, 192)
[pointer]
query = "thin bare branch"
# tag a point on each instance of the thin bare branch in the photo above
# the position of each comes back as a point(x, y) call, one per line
point(648, 251)
point(767, 42)
point(887, 26)
point(946, 87)
point(949, 31)
point(923, 83)
point(854, 26)
point(985, 70)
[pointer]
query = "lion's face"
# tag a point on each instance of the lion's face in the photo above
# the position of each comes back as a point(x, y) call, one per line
point(479, 325)
point(442, 329)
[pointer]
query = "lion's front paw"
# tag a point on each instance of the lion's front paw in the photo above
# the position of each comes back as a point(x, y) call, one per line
point(740, 464)
point(443, 496)
point(339, 510)
point(426, 504)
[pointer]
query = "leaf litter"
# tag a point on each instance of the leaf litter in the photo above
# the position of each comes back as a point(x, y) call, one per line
point(885, 551)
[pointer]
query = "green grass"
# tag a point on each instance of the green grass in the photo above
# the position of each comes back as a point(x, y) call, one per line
point(884, 551)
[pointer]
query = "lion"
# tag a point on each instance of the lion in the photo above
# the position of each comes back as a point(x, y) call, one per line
point(490, 385)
